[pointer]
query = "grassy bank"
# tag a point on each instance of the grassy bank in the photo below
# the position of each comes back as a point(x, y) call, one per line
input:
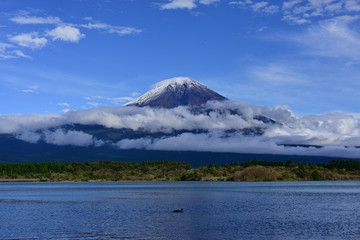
point(179, 171)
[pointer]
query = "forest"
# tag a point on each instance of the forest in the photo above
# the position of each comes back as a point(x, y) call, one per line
point(179, 171)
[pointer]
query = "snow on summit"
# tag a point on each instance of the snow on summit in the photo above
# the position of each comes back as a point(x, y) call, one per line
point(177, 91)
point(177, 81)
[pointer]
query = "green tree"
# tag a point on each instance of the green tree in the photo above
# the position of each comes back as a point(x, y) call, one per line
point(316, 176)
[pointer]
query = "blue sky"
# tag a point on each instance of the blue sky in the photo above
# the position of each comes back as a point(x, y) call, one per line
point(73, 54)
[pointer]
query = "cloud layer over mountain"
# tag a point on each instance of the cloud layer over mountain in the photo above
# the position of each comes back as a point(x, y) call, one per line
point(221, 124)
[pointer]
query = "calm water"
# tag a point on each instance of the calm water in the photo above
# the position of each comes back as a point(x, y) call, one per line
point(212, 210)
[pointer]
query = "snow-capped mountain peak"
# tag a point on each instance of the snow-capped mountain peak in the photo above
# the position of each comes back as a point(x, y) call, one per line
point(175, 92)
point(177, 81)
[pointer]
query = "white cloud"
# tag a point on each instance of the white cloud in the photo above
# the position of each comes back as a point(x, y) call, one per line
point(8, 51)
point(75, 138)
point(304, 11)
point(105, 100)
point(96, 25)
point(35, 20)
point(259, 5)
point(18, 53)
point(290, 4)
point(243, 3)
point(123, 30)
point(30, 40)
point(185, 4)
point(31, 122)
point(27, 91)
point(66, 33)
point(111, 29)
point(31, 89)
point(60, 137)
point(352, 5)
point(179, 4)
point(295, 19)
point(13, 54)
point(216, 142)
point(29, 136)
point(63, 104)
point(271, 9)
point(334, 7)
point(140, 143)
point(262, 6)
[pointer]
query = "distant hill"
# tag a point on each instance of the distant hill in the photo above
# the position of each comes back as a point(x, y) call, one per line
point(14, 150)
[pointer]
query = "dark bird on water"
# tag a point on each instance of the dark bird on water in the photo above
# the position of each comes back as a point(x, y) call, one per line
point(180, 211)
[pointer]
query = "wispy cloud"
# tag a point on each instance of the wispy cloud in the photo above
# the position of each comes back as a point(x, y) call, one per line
point(30, 40)
point(8, 51)
point(35, 20)
point(305, 11)
point(27, 90)
point(262, 6)
point(63, 104)
point(9, 54)
point(18, 53)
point(336, 37)
point(301, 11)
point(30, 89)
point(352, 5)
point(110, 28)
point(105, 100)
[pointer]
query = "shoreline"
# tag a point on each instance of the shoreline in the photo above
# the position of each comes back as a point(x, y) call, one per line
point(20, 180)
point(124, 181)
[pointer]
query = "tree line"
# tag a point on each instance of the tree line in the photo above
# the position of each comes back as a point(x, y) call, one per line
point(181, 171)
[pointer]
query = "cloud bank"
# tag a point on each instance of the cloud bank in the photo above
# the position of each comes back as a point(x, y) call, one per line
point(217, 126)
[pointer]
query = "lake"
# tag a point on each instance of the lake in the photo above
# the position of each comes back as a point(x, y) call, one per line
point(212, 210)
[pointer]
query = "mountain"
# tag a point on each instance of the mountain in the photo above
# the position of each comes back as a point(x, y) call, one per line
point(184, 91)
point(174, 92)
point(155, 128)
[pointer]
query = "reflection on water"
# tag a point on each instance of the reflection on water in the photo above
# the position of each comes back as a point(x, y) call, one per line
point(212, 210)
